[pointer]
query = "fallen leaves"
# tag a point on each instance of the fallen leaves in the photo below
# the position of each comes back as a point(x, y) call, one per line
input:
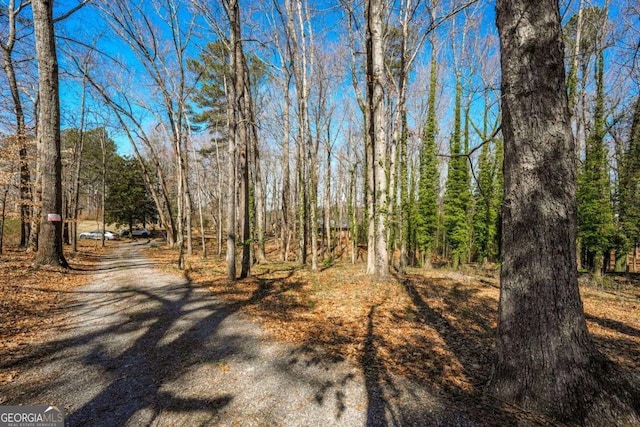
point(32, 300)
point(434, 327)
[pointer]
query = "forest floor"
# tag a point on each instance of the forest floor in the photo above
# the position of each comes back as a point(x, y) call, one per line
point(434, 327)
point(33, 300)
point(415, 350)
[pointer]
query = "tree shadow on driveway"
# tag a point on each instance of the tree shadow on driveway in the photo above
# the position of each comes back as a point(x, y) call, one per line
point(134, 349)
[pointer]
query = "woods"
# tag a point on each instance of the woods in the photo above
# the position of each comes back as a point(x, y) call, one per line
point(391, 135)
point(308, 117)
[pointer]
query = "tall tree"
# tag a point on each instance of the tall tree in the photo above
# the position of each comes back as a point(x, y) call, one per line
point(546, 360)
point(140, 26)
point(376, 141)
point(488, 192)
point(7, 45)
point(457, 194)
point(595, 219)
point(429, 182)
point(50, 236)
point(629, 183)
point(300, 48)
point(239, 141)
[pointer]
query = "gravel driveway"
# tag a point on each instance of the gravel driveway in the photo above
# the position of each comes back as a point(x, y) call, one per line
point(142, 347)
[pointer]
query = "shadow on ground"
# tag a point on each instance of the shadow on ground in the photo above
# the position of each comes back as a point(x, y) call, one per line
point(129, 337)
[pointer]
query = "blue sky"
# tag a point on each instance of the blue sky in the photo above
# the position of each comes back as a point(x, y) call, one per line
point(87, 26)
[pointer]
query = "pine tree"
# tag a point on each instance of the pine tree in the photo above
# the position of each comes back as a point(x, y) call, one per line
point(595, 219)
point(426, 212)
point(457, 195)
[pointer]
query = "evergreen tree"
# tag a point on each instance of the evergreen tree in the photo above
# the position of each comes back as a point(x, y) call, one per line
point(595, 219)
point(488, 196)
point(426, 211)
point(128, 202)
point(214, 73)
point(629, 185)
point(457, 195)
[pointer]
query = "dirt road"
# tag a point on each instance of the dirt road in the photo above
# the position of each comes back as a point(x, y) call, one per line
point(142, 347)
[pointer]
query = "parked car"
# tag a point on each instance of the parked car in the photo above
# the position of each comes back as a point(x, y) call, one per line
point(140, 232)
point(136, 232)
point(97, 235)
point(111, 235)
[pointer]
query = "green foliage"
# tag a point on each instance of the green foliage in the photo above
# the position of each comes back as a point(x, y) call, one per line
point(214, 71)
point(92, 146)
point(426, 212)
point(488, 196)
point(457, 195)
point(595, 219)
point(128, 201)
point(629, 191)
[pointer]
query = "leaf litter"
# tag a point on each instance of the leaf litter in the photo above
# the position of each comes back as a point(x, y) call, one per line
point(33, 300)
point(436, 328)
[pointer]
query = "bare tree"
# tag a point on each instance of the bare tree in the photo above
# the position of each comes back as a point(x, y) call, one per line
point(376, 141)
point(295, 23)
point(50, 236)
point(239, 141)
point(134, 130)
point(166, 66)
point(285, 81)
point(13, 12)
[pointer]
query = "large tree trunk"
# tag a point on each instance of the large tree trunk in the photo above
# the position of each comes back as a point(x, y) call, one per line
point(240, 130)
point(546, 361)
point(188, 203)
point(328, 254)
point(50, 237)
point(220, 196)
point(245, 262)
point(378, 263)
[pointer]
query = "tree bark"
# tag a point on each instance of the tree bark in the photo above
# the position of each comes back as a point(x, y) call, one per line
point(286, 187)
point(259, 192)
point(78, 149)
point(220, 194)
point(50, 236)
point(546, 361)
point(231, 184)
point(239, 127)
point(25, 175)
point(378, 262)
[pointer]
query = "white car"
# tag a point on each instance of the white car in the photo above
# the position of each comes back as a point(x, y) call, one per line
point(136, 232)
point(97, 235)
point(140, 232)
